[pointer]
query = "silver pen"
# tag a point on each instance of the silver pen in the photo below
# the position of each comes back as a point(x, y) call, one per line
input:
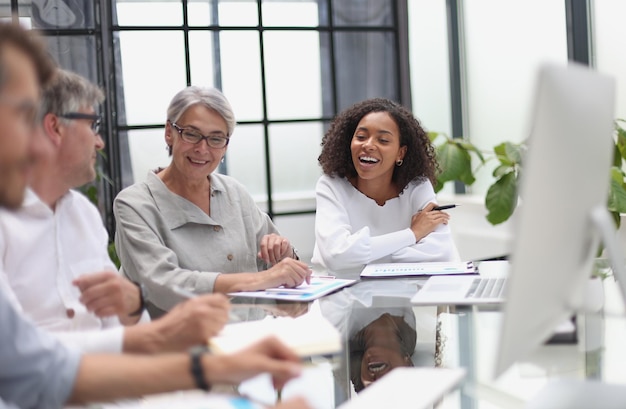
point(189, 295)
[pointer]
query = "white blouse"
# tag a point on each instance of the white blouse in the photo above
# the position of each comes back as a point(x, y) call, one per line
point(352, 230)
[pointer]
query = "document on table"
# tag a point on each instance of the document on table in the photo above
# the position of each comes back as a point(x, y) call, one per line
point(318, 287)
point(397, 388)
point(418, 269)
point(308, 335)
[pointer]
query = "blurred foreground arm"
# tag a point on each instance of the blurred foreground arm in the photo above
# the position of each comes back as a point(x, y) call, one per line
point(107, 377)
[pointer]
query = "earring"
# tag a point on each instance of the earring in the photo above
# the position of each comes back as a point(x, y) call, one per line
point(167, 147)
point(222, 159)
point(399, 162)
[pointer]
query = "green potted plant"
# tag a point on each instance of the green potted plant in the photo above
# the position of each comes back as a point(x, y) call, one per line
point(459, 160)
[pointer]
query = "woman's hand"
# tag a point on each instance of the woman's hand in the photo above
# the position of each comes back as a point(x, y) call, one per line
point(288, 272)
point(426, 221)
point(274, 248)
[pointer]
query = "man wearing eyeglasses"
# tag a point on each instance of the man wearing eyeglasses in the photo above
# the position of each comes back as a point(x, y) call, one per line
point(71, 287)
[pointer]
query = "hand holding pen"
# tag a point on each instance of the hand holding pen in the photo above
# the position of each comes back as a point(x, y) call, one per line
point(427, 220)
point(444, 207)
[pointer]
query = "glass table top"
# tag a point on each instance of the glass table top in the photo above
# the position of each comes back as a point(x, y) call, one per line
point(381, 330)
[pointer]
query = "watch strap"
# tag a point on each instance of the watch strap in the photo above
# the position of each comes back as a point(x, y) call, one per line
point(142, 300)
point(197, 371)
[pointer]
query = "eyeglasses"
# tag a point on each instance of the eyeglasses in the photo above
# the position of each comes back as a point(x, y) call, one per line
point(25, 108)
point(190, 135)
point(95, 119)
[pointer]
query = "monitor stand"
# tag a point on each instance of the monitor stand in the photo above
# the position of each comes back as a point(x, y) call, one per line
point(585, 394)
point(604, 225)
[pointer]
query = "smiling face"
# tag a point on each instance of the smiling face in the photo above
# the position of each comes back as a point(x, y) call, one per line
point(196, 161)
point(384, 349)
point(375, 147)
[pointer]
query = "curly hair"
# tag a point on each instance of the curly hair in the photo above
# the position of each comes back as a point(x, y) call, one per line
point(419, 161)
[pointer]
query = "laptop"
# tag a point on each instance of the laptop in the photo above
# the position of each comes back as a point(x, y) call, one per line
point(486, 288)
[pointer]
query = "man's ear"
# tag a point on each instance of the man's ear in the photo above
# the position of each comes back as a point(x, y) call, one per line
point(52, 128)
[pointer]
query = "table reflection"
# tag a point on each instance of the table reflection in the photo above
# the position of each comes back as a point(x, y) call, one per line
point(382, 331)
point(382, 345)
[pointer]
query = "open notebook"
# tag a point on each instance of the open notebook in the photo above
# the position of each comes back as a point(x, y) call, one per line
point(308, 335)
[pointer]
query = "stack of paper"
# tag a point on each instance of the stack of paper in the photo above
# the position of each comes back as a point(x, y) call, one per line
point(308, 335)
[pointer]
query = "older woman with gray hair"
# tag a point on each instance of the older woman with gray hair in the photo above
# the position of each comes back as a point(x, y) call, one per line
point(191, 227)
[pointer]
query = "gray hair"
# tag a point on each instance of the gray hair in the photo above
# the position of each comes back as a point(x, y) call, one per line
point(69, 92)
point(211, 98)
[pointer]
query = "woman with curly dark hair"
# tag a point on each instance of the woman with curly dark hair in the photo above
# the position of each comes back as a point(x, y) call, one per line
point(375, 200)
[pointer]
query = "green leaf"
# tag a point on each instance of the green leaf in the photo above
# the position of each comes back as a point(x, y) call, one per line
point(617, 191)
point(113, 255)
point(509, 153)
point(617, 156)
point(467, 177)
point(438, 185)
point(501, 199)
point(434, 135)
point(455, 163)
point(468, 146)
point(502, 170)
point(617, 218)
point(91, 192)
point(620, 140)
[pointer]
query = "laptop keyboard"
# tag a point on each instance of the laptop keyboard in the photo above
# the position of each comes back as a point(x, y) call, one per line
point(486, 288)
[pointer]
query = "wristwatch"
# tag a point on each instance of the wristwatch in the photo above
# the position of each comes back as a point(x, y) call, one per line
point(197, 372)
point(143, 295)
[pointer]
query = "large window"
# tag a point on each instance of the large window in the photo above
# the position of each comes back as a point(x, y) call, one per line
point(286, 66)
point(289, 66)
point(609, 33)
point(503, 51)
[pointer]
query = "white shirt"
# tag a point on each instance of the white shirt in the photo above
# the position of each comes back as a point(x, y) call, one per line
point(352, 230)
point(42, 251)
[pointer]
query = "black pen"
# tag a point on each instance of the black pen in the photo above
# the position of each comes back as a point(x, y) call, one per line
point(444, 207)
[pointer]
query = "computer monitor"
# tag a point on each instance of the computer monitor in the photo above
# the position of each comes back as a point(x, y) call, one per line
point(563, 194)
